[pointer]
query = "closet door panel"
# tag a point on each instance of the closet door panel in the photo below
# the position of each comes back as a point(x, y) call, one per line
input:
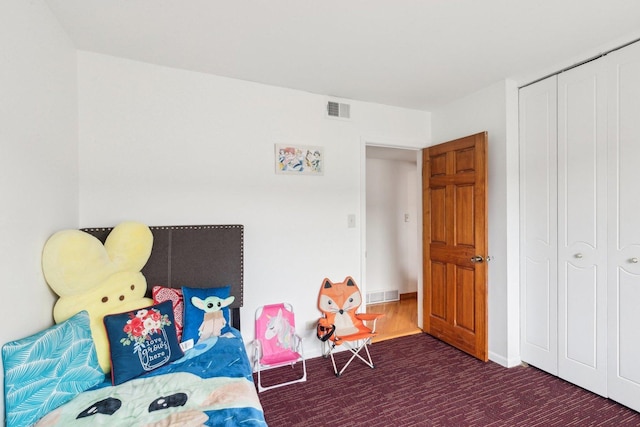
point(580, 322)
point(537, 328)
point(624, 227)
point(629, 318)
point(538, 226)
point(628, 156)
point(582, 227)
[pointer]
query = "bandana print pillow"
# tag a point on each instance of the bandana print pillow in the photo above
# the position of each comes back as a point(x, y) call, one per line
point(162, 294)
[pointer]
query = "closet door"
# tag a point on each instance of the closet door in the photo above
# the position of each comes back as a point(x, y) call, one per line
point(582, 227)
point(538, 225)
point(624, 226)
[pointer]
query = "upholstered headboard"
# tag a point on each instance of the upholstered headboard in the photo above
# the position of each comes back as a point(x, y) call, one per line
point(198, 256)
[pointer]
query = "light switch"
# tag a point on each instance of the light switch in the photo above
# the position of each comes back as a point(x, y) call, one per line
point(351, 221)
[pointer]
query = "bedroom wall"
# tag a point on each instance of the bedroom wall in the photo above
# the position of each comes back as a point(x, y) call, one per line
point(167, 146)
point(38, 159)
point(495, 109)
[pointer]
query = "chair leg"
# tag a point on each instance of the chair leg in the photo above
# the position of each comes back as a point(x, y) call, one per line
point(333, 362)
point(260, 388)
point(366, 349)
point(355, 353)
point(326, 348)
point(303, 378)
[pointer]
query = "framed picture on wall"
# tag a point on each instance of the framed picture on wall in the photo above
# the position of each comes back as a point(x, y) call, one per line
point(299, 159)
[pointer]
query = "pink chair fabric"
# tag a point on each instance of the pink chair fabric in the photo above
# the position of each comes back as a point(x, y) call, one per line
point(276, 341)
point(275, 329)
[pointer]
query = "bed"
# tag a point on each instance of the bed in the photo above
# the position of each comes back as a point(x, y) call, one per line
point(211, 383)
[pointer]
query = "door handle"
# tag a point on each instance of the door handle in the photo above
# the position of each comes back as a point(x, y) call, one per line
point(477, 258)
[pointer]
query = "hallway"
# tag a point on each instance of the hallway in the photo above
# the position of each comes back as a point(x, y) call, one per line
point(400, 318)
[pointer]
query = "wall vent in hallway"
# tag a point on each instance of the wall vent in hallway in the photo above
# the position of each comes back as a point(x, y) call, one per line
point(382, 296)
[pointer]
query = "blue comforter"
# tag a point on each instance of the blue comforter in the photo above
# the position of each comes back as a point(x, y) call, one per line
point(211, 385)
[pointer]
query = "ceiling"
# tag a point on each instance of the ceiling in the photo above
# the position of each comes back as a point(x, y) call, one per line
point(417, 54)
point(388, 153)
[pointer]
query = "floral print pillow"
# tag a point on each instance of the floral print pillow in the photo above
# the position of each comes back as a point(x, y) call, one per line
point(141, 340)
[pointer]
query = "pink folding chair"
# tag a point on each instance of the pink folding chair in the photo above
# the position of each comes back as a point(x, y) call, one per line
point(277, 343)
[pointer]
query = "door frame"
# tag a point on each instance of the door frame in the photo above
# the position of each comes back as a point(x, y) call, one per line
point(395, 143)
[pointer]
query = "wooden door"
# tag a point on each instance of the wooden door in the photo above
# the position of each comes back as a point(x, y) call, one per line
point(582, 227)
point(538, 225)
point(623, 313)
point(455, 243)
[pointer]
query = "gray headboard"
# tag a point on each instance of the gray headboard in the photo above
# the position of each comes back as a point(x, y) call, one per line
point(198, 256)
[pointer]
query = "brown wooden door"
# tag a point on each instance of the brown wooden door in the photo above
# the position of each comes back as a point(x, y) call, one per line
point(455, 232)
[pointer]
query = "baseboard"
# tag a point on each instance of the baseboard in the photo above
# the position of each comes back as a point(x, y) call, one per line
point(501, 360)
point(409, 295)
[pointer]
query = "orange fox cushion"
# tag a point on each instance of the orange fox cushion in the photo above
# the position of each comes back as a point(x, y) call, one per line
point(339, 302)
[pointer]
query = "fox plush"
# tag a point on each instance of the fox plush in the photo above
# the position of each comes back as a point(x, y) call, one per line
point(339, 302)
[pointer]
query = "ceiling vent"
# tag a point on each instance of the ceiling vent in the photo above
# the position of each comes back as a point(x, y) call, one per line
point(338, 110)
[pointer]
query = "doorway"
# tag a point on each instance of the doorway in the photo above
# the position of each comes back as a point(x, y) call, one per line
point(393, 260)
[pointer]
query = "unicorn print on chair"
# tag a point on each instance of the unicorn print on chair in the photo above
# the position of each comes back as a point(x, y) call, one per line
point(279, 327)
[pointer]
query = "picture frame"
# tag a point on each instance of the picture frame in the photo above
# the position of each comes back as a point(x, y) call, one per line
point(293, 159)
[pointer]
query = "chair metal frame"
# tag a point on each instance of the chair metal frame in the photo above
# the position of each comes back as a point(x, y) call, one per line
point(354, 343)
point(295, 355)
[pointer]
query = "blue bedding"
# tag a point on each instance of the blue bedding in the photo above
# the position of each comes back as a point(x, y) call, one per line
point(211, 385)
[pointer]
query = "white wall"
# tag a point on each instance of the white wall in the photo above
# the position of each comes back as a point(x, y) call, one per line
point(167, 147)
point(38, 158)
point(392, 259)
point(494, 109)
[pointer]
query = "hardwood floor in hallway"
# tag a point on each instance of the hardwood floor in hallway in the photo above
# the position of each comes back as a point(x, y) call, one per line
point(400, 318)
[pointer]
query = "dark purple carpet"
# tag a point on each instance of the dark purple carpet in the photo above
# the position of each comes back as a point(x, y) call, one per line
point(420, 381)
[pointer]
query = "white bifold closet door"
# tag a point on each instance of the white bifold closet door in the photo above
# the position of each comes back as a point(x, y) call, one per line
point(538, 225)
point(582, 227)
point(623, 72)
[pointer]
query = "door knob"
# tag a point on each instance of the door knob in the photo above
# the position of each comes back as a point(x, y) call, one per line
point(477, 258)
point(578, 255)
point(633, 260)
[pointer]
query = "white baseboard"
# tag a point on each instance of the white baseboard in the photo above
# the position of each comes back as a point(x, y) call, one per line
point(501, 360)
